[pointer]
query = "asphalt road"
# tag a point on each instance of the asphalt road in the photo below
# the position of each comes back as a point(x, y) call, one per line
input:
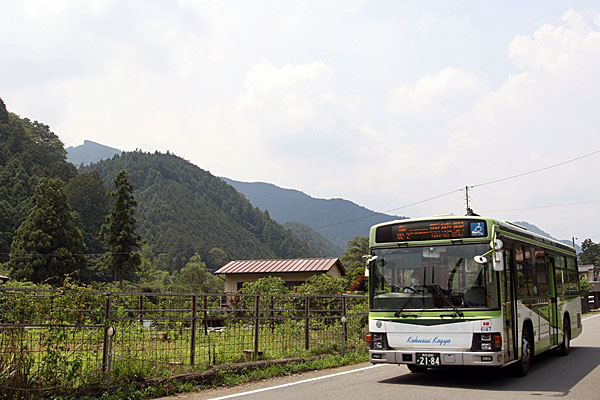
point(576, 376)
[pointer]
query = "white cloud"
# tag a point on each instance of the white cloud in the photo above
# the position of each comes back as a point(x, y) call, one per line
point(540, 116)
point(438, 96)
point(383, 104)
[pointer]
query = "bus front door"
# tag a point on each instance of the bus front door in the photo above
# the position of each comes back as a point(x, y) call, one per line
point(509, 308)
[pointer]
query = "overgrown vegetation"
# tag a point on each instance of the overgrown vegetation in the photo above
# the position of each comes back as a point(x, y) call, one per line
point(55, 339)
point(165, 228)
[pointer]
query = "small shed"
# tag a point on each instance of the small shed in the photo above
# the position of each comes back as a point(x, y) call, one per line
point(293, 271)
point(587, 271)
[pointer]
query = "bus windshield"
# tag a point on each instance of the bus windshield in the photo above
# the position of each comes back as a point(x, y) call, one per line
point(432, 277)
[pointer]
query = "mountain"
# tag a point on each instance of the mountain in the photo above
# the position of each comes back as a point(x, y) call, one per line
point(314, 240)
point(90, 152)
point(337, 220)
point(183, 210)
point(535, 229)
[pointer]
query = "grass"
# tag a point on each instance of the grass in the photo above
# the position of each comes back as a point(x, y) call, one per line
point(224, 378)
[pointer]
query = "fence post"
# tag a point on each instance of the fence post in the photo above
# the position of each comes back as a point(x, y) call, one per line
point(142, 310)
point(345, 315)
point(256, 327)
point(110, 331)
point(193, 341)
point(306, 322)
point(272, 315)
point(344, 326)
point(106, 336)
point(205, 321)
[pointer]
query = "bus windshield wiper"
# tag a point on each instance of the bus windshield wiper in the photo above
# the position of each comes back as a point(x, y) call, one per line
point(447, 299)
point(397, 313)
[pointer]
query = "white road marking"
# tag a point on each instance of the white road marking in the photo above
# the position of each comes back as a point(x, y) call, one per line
point(593, 316)
point(296, 383)
point(231, 396)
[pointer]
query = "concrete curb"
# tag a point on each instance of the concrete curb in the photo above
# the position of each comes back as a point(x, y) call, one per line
point(213, 373)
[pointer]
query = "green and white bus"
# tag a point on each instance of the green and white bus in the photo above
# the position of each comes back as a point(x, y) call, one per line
point(456, 291)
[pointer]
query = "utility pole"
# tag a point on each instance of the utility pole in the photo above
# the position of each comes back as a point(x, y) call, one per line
point(467, 197)
point(469, 210)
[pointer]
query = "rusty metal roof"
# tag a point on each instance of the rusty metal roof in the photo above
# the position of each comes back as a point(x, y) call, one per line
point(280, 266)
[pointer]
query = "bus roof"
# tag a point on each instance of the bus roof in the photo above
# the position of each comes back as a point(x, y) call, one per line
point(440, 228)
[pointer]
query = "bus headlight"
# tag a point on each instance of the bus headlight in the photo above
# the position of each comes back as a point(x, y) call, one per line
point(487, 342)
point(378, 341)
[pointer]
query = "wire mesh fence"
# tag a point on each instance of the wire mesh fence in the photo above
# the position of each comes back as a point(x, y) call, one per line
point(72, 339)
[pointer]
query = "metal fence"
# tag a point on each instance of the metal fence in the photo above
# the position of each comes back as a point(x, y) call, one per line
point(73, 339)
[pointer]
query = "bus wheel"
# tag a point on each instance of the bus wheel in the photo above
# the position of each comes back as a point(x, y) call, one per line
point(566, 344)
point(524, 364)
point(415, 369)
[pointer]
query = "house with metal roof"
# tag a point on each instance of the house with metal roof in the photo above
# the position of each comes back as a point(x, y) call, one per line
point(293, 271)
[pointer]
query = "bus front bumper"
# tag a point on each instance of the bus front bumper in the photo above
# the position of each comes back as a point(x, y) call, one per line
point(446, 358)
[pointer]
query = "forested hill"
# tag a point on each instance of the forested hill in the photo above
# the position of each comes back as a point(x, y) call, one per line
point(337, 220)
point(183, 210)
point(314, 240)
point(28, 152)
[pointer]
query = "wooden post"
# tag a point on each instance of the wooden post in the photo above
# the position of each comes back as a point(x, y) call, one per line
point(106, 337)
point(272, 315)
point(193, 340)
point(344, 312)
point(256, 326)
point(205, 320)
point(142, 310)
point(307, 322)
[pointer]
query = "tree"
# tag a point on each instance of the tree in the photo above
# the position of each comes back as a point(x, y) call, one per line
point(3, 112)
point(216, 259)
point(120, 238)
point(590, 253)
point(266, 285)
point(584, 286)
point(48, 244)
point(149, 276)
point(358, 281)
point(196, 278)
point(353, 257)
point(89, 198)
point(321, 284)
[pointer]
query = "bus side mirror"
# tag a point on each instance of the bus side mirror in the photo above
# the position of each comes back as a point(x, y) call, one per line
point(480, 259)
point(498, 261)
point(498, 255)
point(370, 260)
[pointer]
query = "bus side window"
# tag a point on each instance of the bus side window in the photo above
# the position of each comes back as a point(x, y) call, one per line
point(520, 273)
point(560, 277)
point(573, 285)
point(541, 272)
point(530, 281)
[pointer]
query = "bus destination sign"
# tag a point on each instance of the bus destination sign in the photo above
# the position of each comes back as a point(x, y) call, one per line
point(431, 230)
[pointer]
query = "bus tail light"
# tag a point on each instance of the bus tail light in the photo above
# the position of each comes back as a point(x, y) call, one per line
point(498, 342)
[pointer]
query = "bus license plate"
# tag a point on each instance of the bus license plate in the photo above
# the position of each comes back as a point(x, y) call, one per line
point(428, 359)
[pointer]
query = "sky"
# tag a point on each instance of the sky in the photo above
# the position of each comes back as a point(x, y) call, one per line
point(384, 103)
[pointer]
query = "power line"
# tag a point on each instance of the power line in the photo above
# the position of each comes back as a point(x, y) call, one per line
point(461, 189)
point(388, 211)
point(536, 170)
point(549, 206)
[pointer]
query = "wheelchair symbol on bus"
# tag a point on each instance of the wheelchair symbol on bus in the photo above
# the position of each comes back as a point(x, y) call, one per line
point(477, 229)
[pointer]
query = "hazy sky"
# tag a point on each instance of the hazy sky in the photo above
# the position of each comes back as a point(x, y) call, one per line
point(384, 103)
